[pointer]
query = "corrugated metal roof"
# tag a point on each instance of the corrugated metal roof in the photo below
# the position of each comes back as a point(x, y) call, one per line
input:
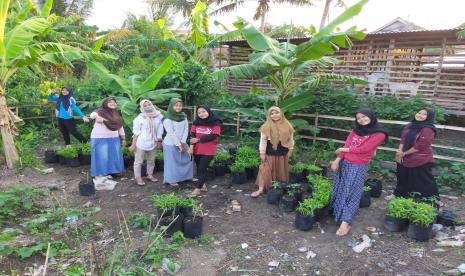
point(281, 39)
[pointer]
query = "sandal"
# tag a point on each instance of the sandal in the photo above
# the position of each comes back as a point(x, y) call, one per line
point(256, 194)
point(204, 188)
point(152, 178)
point(140, 182)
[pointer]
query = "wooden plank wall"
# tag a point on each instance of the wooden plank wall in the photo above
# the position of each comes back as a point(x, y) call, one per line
point(430, 63)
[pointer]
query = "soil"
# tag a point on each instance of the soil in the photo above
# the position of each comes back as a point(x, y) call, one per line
point(268, 233)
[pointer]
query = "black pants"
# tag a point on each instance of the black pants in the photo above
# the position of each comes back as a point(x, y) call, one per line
point(68, 126)
point(201, 162)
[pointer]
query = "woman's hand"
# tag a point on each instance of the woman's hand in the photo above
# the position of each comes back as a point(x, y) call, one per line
point(335, 165)
point(339, 150)
point(85, 119)
point(262, 157)
point(399, 156)
point(132, 148)
point(289, 153)
point(99, 119)
point(181, 147)
point(191, 150)
point(194, 140)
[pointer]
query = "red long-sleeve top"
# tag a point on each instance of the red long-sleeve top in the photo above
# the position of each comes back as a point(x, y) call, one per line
point(423, 143)
point(361, 148)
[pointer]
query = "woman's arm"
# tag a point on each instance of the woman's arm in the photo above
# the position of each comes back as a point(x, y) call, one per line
point(370, 145)
point(52, 97)
point(186, 131)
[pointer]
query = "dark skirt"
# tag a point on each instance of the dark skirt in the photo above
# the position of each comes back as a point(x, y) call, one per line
point(416, 182)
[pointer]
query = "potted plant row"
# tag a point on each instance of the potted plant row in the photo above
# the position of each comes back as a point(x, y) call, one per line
point(419, 217)
point(68, 156)
point(238, 174)
point(250, 158)
point(305, 214)
point(321, 192)
point(299, 171)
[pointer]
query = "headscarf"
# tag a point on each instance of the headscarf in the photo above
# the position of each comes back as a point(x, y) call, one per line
point(279, 131)
point(149, 116)
point(173, 115)
point(211, 120)
point(414, 127)
point(66, 100)
point(111, 116)
point(372, 127)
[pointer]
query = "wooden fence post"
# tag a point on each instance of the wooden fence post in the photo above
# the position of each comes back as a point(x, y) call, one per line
point(316, 127)
point(238, 124)
point(194, 114)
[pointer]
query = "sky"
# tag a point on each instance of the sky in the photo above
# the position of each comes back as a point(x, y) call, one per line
point(430, 14)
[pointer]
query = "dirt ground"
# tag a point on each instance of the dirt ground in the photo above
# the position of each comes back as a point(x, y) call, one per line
point(243, 243)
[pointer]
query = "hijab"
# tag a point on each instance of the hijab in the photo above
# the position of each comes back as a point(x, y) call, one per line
point(66, 100)
point(414, 127)
point(173, 115)
point(279, 131)
point(211, 120)
point(111, 116)
point(150, 117)
point(372, 127)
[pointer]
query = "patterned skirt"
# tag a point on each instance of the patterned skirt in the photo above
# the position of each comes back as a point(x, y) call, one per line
point(347, 190)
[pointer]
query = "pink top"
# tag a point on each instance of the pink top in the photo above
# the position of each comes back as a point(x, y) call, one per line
point(422, 143)
point(361, 148)
point(101, 131)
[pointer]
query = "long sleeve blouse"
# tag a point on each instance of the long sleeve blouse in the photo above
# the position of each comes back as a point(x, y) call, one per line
point(101, 131)
point(62, 113)
point(140, 128)
point(361, 148)
point(176, 132)
point(423, 143)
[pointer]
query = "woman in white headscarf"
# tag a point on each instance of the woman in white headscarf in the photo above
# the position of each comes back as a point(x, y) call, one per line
point(147, 137)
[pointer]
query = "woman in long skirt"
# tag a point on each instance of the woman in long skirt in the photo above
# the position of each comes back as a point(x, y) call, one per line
point(177, 161)
point(415, 158)
point(351, 165)
point(106, 138)
point(276, 145)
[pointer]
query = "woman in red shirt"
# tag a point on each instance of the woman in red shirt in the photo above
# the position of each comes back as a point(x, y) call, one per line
point(415, 158)
point(204, 132)
point(351, 165)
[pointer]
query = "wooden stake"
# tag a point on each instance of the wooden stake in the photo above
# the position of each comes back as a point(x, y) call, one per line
point(46, 260)
point(94, 255)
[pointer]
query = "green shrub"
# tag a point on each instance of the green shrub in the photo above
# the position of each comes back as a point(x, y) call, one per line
point(400, 207)
point(165, 201)
point(422, 214)
point(237, 167)
point(159, 155)
point(17, 200)
point(85, 148)
point(366, 188)
point(308, 206)
point(188, 203)
point(246, 152)
point(297, 168)
point(313, 168)
point(221, 157)
point(138, 220)
point(322, 189)
point(276, 185)
point(68, 152)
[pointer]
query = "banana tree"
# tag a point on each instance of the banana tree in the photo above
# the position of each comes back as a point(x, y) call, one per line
point(287, 66)
point(22, 44)
point(135, 90)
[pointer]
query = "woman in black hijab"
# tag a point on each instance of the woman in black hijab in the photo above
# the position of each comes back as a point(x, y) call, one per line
point(414, 158)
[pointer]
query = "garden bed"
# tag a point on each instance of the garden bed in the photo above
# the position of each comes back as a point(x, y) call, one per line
point(245, 241)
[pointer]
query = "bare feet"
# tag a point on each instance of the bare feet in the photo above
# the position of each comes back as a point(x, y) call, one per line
point(389, 197)
point(343, 229)
point(256, 193)
point(204, 188)
point(196, 192)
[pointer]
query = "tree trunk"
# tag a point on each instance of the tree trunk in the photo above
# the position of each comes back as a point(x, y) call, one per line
point(7, 128)
point(262, 22)
point(324, 18)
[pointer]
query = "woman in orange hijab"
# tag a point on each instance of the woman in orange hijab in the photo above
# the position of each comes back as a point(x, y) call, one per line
point(276, 145)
